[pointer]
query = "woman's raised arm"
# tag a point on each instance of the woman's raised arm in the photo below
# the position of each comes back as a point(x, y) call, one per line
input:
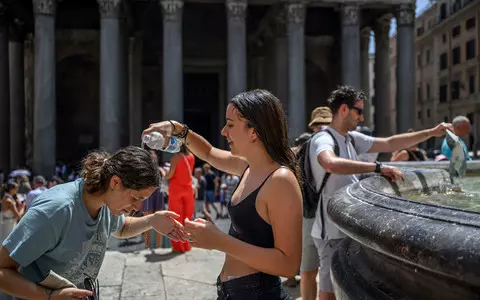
point(219, 159)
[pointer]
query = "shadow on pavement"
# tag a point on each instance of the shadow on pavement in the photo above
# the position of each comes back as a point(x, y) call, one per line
point(159, 257)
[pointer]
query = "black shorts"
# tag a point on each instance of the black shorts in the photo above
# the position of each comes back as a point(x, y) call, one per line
point(258, 286)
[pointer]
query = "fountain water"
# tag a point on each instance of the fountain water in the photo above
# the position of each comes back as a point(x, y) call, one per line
point(405, 245)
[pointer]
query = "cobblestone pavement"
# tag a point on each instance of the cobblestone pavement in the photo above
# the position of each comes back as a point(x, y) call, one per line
point(132, 272)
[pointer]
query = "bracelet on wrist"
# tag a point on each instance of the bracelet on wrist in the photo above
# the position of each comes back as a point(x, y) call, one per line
point(184, 133)
point(378, 167)
point(49, 292)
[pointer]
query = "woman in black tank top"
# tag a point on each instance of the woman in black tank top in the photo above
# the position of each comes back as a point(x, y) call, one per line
point(264, 240)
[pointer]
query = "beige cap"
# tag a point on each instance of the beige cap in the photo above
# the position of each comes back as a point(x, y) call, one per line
point(321, 114)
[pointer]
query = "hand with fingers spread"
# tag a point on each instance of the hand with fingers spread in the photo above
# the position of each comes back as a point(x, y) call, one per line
point(164, 222)
point(70, 293)
point(392, 173)
point(203, 234)
point(441, 129)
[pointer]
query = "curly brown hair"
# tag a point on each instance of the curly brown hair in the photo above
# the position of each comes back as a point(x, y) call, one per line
point(134, 165)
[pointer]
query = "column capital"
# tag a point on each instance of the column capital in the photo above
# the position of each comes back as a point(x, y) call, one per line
point(109, 8)
point(350, 14)
point(382, 26)
point(406, 14)
point(236, 9)
point(366, 32)
point(44, 7)
point(172, 9)
point(296, 12)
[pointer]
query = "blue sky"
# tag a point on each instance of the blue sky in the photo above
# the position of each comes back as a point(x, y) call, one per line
point(421, 5)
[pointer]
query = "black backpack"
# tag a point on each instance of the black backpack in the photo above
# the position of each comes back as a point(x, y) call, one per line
point(310, 194)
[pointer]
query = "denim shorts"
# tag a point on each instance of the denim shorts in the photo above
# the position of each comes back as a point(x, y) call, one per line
point(210, 196)
point(257, 286)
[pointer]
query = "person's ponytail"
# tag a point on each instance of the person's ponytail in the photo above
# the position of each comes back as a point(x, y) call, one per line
point(93, 166)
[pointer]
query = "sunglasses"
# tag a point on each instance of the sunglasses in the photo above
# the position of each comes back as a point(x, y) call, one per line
point(93, 286)
point(359, 110)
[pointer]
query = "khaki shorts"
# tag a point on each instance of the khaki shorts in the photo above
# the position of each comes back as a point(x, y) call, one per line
point(326, 248)
point(310, 260)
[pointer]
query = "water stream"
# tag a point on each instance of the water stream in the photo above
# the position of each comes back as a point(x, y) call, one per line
point(466, 196)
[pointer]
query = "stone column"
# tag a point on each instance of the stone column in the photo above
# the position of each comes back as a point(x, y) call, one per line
point(237, 47)
point(29, 64)
point(135, 88)
point(350, 15)
point(405, 67)
point(124, 81)
point(17, 96)
point(4, 93)
point(384, 121)
point(111, 123)
point(280, 67)
point(296, 12)
point(365, 74)
point(172, 60)
point(44, 112)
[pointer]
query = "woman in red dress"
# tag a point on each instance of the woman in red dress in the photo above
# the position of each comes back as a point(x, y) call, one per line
point(180, 190)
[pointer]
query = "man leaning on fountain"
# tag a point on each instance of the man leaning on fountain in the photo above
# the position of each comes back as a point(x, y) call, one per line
point(347, 107)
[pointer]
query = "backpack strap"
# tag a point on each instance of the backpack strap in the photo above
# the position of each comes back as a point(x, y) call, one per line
point(336, 150)
point(352, 140)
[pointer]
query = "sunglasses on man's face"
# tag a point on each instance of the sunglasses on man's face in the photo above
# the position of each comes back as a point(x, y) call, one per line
point(359, 110)
point(93, 286)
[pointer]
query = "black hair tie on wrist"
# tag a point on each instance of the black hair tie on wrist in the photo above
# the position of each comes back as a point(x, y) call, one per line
point(184, 132)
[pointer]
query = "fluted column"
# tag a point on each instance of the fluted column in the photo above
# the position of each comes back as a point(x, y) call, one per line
point(296, 12)
point(405, 67)
point(4, 92)
point(44, 112)
point(237, 46)
point(111, 123)
point(172, 60)
point(384, 121)
point(135, 88)
point(350, 15)
point(365, 74)
point(17, 96)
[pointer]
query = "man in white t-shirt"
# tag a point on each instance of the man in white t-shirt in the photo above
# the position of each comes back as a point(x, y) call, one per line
point(347, 108)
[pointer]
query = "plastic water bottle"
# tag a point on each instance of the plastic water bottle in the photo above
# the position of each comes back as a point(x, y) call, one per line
point(155, 140)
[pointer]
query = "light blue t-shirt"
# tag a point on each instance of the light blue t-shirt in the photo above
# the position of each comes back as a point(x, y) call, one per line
point(448, 152)
point(58, 234)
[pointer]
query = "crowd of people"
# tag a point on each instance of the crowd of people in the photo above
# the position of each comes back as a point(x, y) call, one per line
point(275, 196)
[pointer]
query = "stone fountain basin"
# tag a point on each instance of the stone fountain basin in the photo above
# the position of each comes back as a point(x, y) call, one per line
point(401, 249)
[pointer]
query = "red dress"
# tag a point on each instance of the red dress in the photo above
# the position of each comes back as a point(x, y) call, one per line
point(180, 195)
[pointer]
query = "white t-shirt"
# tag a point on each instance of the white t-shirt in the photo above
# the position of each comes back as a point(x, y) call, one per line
point(324, 142)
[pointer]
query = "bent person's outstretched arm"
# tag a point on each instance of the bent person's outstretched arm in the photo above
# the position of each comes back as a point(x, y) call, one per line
point(219, 159)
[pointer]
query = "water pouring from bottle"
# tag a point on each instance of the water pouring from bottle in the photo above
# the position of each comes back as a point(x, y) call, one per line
point(155, 140)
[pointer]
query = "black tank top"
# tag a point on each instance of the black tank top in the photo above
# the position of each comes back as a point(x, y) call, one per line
point(246, 224)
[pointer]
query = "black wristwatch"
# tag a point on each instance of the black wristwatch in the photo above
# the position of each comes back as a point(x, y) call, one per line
point(378, 167)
